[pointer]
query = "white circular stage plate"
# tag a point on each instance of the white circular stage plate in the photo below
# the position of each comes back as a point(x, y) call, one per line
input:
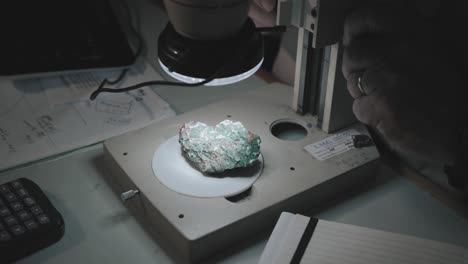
point(175, 172)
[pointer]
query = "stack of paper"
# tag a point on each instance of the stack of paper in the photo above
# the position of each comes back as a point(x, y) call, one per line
point(300, 239)
point(44, 117)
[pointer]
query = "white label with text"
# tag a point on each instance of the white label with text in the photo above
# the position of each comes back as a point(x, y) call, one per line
point(332, 146)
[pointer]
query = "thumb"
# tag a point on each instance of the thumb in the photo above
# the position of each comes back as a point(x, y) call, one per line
point(260, 17)
point(267, 5)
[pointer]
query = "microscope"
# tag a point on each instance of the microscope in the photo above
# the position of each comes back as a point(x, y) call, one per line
point(298, 174)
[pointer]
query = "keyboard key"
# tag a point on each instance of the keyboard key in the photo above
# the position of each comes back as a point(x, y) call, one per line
point(4, 236)
point(29, 201)
point(43, 219)
point(11, 220)
point(4, 189)
point(36, 210)
point(17, 230)
point(16, 206)
point(10, 197)
point(16, 184)
point(23, 215)
point(31, 224)
point(4, 211)
point(22, 193)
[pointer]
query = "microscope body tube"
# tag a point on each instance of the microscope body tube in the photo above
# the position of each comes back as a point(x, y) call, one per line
point(207, 19)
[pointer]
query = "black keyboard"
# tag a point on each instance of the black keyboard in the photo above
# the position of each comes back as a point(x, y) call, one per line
point(28, 220)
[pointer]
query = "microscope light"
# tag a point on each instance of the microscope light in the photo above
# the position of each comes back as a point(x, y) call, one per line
point(225, 61)
point(215, 82)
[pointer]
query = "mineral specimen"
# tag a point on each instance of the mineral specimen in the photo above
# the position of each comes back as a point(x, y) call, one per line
point(228, 145)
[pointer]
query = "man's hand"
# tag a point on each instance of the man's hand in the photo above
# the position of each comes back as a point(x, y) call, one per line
point(262, 13)
point(410, 89)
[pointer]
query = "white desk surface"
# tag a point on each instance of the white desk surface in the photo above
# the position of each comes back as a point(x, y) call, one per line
point(99, 229)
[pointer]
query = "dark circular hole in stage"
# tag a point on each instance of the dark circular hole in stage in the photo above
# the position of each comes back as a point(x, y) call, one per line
point(292, 168)
point(125, 153)
point(288, 130)
point(181, 216)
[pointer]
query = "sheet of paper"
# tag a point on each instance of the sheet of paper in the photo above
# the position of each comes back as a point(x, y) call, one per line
point(36, 123)
point(76, 87)
point(336, 243)
point(285, 239)
point(277, 241)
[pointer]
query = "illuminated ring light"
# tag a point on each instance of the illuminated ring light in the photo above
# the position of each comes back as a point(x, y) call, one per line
point(227, 60)
point(215, 82)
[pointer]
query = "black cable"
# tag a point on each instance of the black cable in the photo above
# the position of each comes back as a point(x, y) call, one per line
point(102, 89)
point(138, 52)
point(117, 80)
point(279, 29)
point(143, 84)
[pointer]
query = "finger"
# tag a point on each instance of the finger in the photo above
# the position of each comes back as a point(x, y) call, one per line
point(369, 87)
point(352, 85)
point(360, 83)
point(267, 5)
point(383, 80)
point(381, 113)
point(361, 54)
point(366, 111)
point(372, 19)
point(260, 17)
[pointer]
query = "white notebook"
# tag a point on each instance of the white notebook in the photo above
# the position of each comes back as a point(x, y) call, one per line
point(300, 239)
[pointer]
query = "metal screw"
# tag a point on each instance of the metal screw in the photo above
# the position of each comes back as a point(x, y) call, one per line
point(125, 196)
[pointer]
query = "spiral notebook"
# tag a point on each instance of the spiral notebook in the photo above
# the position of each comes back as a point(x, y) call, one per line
point(300, 239)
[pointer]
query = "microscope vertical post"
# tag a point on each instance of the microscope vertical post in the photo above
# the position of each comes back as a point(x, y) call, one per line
point(319, 86)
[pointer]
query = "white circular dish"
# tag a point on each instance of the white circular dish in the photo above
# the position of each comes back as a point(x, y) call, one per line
point(174, 171)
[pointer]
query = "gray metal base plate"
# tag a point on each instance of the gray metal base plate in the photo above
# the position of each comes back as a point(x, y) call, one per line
point(292, 179)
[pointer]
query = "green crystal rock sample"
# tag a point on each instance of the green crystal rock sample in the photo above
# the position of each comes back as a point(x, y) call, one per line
point(226, 146)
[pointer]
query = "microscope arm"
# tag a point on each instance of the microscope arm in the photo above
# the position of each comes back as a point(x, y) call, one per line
point(319, 87)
